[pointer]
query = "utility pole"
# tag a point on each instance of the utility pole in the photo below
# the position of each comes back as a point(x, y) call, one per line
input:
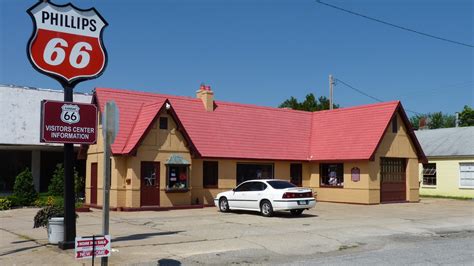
point(331, 84)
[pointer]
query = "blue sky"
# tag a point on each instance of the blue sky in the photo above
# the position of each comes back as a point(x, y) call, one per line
point(262, 52)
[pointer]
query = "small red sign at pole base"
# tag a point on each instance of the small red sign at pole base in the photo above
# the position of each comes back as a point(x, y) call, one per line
point(92, 247)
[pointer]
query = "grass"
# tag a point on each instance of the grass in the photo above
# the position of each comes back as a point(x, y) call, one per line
point(344, 247)
point(446, 197)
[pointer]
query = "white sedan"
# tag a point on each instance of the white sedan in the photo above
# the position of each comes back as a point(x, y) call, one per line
point(266, 196)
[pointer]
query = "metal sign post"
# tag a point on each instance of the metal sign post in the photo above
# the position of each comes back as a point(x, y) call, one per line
point(70, 50)
point(110, 124)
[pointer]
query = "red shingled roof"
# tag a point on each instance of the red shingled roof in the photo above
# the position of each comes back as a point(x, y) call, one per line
point(349, 133)
point(254, 132)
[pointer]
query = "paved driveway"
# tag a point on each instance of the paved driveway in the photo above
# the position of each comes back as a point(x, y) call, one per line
point(205, 236)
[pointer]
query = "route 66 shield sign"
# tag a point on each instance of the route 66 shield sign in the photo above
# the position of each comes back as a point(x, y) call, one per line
point(70, 113)
point(66, 43)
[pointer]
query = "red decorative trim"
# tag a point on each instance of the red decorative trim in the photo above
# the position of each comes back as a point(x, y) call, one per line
point(153, 208)
point(83, 209)
point(329, 186)
point(344, 202)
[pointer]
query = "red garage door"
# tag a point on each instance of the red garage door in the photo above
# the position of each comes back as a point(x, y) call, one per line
point(392, 179)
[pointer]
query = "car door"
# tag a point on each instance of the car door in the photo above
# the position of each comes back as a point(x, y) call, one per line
point(254, 195)
point(239, 196)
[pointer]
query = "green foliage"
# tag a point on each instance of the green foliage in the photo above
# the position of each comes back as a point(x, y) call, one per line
point(14, 200)
point(466, 117)
point(24, 191)
point(43, 215)
point(440, 120)
point(46, 200)
point(56, 187)
point(5, 204)
point(434, 120)
point(310, 103)
point(79, 185)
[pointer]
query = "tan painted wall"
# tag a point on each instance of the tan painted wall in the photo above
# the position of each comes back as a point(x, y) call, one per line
point(227, 176)
point(367, 190)
point(447, 178)
point(354, 192)
point(396, 145)
point(157, 146)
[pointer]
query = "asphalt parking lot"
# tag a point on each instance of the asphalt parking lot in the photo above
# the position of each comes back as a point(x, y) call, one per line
point(205, 236)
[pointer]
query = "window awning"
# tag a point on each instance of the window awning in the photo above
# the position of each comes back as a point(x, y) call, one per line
point(177, 159)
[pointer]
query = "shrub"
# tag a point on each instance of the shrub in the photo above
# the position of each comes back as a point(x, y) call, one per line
point(43, 215)
point(56, 187)
point(24, 191)
point(44, 201)
point(79, 185)
point(5, 204)
point(14, 200)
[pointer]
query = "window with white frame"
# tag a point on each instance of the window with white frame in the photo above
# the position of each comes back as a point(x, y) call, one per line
point(466, 177)
point(429, 174)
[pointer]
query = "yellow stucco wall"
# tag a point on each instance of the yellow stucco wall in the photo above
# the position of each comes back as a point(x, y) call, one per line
point(397, 145)
point(157, 146)
point(227, 176)
point(447, 178)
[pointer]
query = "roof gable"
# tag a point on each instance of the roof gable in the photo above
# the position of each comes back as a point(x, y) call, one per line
point(349, 133)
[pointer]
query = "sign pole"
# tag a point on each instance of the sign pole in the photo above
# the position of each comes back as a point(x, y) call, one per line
point(110, 123)
point(69, 197)
point(106, 188)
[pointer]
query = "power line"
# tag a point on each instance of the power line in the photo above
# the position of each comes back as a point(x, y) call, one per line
point(366, 94)
point(393, 25)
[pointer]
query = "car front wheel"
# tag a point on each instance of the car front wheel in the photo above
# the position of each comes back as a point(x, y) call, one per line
point(266, 208)
point(223, 205)
point(296, 212)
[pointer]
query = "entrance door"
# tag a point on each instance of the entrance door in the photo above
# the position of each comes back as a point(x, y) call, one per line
point(93, 183)
point(150, 184)
point(392, 179)
point(296, 174)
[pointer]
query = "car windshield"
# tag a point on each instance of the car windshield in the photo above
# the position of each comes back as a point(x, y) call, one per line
point(280, 184)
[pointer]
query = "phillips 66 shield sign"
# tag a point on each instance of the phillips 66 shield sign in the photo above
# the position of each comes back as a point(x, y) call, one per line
point(67, 42)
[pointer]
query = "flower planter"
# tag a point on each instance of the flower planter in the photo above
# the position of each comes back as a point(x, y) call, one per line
point(56, 230)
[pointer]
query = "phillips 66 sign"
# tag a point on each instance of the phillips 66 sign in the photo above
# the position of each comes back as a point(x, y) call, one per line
point(67, 42)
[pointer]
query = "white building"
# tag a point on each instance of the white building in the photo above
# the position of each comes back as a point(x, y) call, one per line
point(20, 146)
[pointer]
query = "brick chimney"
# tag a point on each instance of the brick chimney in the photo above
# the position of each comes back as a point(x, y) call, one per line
point(207, 97)
point(422, 123)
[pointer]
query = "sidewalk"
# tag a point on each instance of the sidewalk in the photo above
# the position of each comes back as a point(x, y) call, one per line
point(206, 236)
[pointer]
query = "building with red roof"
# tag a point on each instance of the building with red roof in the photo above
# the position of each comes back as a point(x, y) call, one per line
point(173, 151)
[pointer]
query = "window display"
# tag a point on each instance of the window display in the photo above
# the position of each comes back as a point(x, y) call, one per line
point(332, 175)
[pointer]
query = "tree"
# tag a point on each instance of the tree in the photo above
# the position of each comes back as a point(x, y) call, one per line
point(56, 187)
point(466, 117)
point(310, 103)
point(434, 120)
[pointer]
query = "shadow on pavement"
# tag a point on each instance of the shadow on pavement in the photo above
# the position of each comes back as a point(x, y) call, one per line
point(285, 215)
point(169, 262)
point(21, 249)
point(143, 236)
